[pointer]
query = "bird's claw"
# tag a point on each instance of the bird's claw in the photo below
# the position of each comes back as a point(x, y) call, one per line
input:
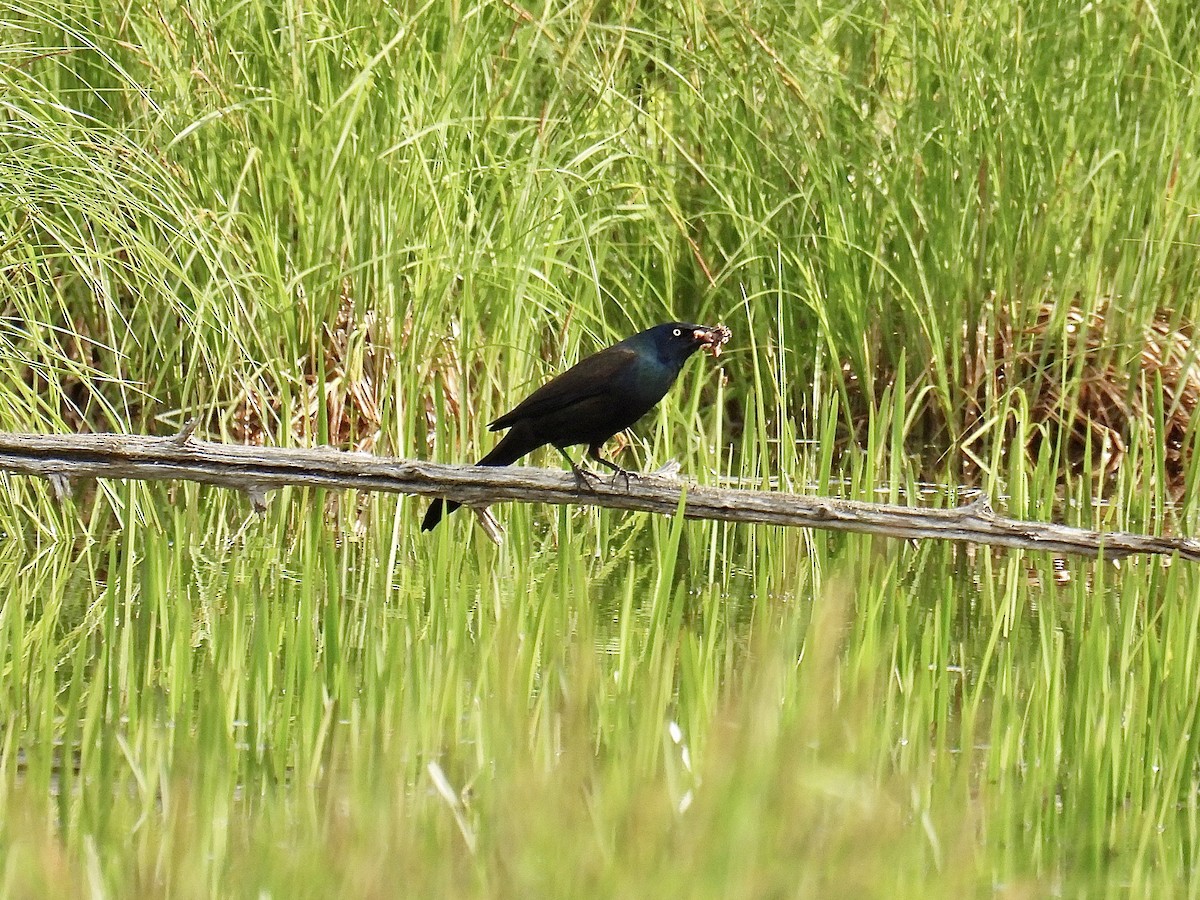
point(584, 479)
point(626, 474)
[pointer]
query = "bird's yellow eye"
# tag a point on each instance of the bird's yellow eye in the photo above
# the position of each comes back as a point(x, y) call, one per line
point(677, 332)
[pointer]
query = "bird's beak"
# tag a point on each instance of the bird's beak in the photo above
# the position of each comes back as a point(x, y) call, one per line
point(712, 339)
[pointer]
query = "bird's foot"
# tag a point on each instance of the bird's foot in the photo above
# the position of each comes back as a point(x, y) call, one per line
point(584, 479)
point(625, 474)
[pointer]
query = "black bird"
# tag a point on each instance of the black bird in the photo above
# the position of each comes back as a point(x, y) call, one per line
point(594, 399)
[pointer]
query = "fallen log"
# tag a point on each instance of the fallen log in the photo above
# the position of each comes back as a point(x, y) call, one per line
point(257, 470)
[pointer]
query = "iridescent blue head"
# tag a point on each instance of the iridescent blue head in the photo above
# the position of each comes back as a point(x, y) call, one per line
point(674, 342)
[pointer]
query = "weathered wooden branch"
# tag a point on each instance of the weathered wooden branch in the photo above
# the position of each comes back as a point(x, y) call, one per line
point(255, 470)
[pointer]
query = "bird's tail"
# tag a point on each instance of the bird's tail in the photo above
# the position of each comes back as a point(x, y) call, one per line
point(437, 509)
point(512, 447)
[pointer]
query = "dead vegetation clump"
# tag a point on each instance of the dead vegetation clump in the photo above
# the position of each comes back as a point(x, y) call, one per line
point(341, 393)
point(1090, 391)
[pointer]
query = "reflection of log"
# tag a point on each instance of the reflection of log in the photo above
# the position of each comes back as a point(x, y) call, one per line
point(256, 470)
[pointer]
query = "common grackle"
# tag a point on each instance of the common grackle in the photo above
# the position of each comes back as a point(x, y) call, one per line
point(590, 402)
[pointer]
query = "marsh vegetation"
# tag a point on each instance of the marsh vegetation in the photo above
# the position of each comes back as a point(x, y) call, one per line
point(956, 248)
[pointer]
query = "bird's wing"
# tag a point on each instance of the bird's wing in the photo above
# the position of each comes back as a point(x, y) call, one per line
point(590, 377)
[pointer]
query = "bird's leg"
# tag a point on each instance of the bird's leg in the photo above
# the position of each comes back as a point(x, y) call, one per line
point(618, 472)
point(581, 474)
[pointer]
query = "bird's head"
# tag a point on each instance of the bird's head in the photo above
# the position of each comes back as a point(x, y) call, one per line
point(674, 342)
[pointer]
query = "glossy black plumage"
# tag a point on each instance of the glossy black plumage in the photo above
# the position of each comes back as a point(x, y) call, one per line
point(593, 400)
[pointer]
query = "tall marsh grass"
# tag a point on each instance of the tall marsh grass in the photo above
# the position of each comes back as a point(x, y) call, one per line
point(943, 238)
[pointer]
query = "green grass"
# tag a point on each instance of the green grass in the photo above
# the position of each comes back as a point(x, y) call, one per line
point(370, 226)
